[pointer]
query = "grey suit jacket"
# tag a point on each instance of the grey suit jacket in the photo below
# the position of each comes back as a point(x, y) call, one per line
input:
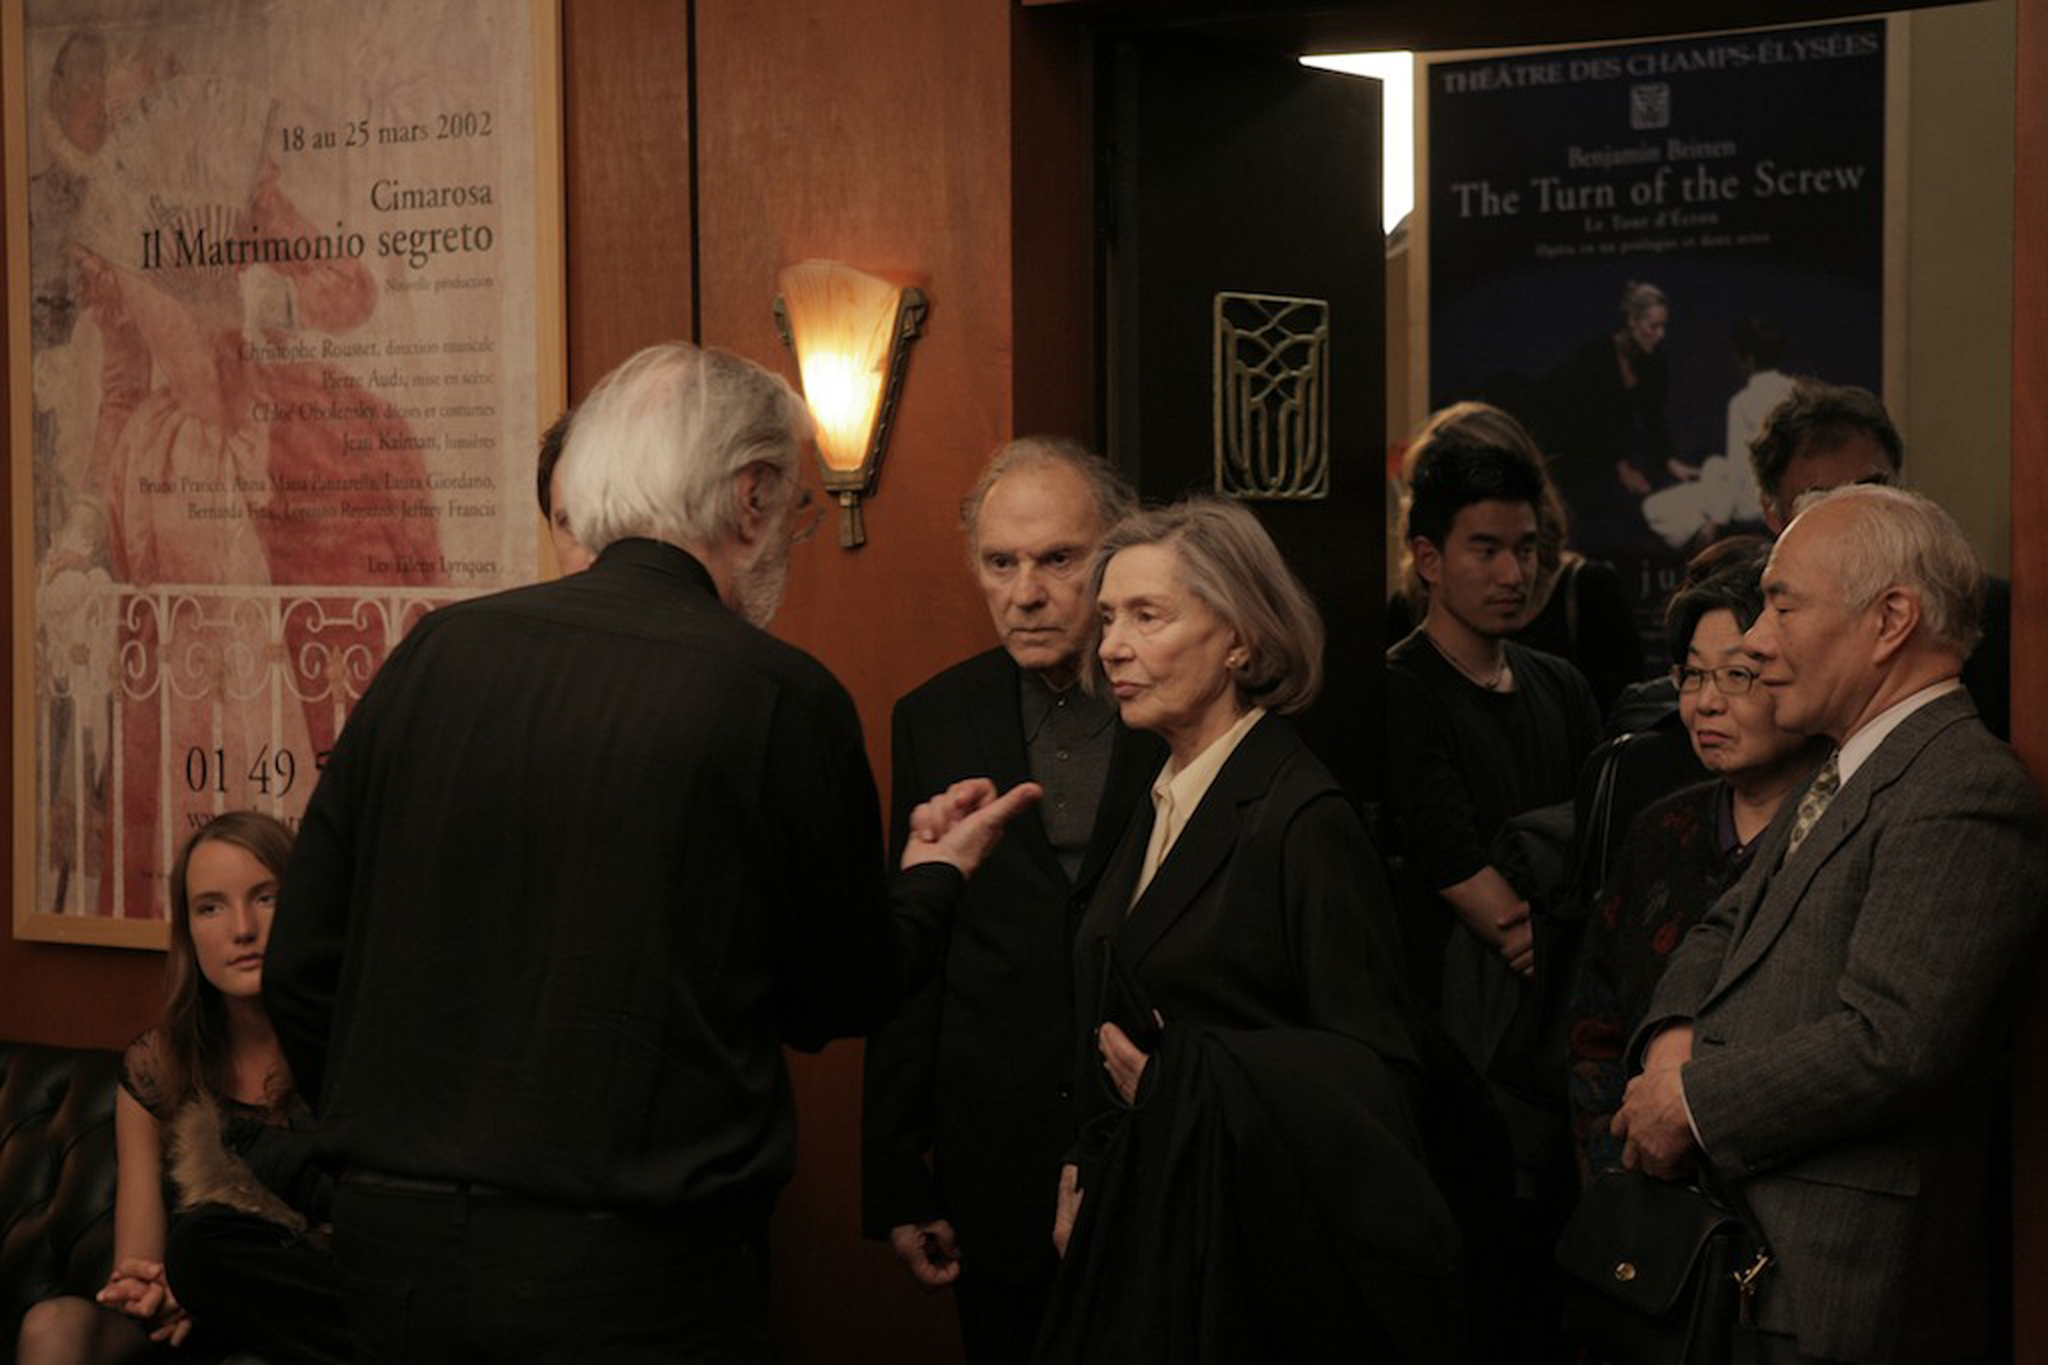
point(1848, 1004)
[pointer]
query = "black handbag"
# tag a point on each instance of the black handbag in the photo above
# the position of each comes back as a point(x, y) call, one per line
point(1658, 1273)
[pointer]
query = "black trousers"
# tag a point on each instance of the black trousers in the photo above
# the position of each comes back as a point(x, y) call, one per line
point(459, 1274)
point(253, 1286)
point(999, 1319)
point(1773, 1349)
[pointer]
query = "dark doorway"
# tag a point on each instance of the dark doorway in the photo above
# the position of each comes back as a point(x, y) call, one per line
point(1245, 297)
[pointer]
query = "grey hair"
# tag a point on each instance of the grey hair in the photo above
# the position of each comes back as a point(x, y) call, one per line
point(655, 448)
point(1114, 499)
point(1230, 564)
point(1901, 538)
point(1639, 297)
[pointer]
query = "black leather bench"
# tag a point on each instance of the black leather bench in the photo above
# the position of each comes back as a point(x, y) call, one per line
point(56, 1176)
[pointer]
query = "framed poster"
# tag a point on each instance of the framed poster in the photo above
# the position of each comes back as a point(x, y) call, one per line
point(283, 298)
point(1634, 247)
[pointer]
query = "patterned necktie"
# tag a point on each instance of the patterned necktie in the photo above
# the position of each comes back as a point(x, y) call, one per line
point(1814, 804)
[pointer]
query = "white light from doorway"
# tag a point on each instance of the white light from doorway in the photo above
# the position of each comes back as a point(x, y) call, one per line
point(1396, 72)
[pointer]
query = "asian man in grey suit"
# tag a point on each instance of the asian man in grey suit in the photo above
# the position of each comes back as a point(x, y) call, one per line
point(1829, 1036)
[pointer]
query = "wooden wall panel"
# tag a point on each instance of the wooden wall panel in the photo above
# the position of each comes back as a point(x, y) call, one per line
point(2030, 643)
point(898, 136)
point(626, 180)
point(877, 135)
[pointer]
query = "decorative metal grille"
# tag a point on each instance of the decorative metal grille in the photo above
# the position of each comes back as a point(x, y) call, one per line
point(1272, 383)
point(243, 671)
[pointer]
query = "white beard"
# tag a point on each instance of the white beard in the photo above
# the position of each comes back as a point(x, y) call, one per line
point(757, 587)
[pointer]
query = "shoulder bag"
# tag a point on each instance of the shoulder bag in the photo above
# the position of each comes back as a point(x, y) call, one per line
point(1660, 1273)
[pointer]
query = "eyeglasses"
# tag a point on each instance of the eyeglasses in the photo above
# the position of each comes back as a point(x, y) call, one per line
point(1732, 680)
point(805, 517)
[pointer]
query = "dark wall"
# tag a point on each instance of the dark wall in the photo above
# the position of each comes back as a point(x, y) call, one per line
point(1247, 175)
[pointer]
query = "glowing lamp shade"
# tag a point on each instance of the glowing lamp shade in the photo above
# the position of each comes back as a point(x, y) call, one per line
point(851, 332)
point(845, 390)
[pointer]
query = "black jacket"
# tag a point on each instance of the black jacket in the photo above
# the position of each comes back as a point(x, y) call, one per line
point(967, 1094)
point(585, 856)
point(1271, 911)
point(1268, 1201)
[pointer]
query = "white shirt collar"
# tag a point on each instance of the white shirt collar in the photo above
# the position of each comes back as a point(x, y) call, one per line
point(1176, 793)
point(1864, 742)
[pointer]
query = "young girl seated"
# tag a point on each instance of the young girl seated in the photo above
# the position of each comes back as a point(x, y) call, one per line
point(218, 1205)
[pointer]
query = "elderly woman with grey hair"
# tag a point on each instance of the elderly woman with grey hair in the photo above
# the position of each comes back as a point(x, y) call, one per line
point(1248, 1180)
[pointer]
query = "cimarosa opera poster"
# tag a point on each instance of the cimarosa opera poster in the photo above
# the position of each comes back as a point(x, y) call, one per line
point(277, 276)
point(1634, 248)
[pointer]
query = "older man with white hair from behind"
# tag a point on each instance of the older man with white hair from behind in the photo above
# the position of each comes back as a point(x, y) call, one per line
point(587, 854)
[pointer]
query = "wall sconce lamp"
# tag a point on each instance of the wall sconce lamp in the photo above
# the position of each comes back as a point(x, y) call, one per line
point(851, 333)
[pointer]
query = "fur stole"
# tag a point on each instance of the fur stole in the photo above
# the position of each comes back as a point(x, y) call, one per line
point(205, 1171)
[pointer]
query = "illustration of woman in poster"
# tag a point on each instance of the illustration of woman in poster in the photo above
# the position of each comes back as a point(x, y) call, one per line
point(1601, 419)
point(226, 453)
